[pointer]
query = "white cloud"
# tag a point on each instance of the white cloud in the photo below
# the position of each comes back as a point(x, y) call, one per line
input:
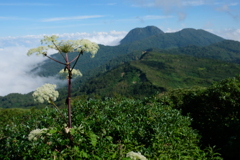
point(227, 8)
point(71, 18)
point(15, 65)
point(232, 34)
point(106, 38)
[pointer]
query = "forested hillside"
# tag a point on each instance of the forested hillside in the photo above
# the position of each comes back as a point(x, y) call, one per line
point(227, 50)
point(158, 72)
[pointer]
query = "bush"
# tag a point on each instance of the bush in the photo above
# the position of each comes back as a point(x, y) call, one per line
point(105, 129)
point(216, 114)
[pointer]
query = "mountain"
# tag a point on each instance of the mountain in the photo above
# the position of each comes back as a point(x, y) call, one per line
point(141, 33)
point(139, 39)
point(227, 50)
point(178, 39)
point(157, 72)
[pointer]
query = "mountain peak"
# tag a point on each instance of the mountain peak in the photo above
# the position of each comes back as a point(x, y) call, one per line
point(140, 33)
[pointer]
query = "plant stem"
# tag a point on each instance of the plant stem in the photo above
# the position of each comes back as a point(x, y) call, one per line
point(80, 53)
point(57, 108)
point(68, 67)
point(55, 60)
point(69, 104)
point(59, 51)
point(69, 92)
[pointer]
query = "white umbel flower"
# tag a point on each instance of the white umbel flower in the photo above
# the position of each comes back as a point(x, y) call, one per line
point(35, 134)
point(75, 73)
point(87, 46)
point(68, 46)
point(39, 50)
point(136, 156)
point(45, 93)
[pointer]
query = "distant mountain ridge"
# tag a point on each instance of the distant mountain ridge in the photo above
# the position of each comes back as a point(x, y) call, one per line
point(140, 33)
point(178, 39)
point(137, 39)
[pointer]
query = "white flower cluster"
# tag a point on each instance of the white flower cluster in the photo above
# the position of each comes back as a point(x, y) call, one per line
point(87, 46)
point(35, 134)
point(52, 39)
point(39, 50)
point(46, 92)
point(68, 46)
point(75, 73)
point(136, 156)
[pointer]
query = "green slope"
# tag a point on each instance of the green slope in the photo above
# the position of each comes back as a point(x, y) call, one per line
point(157, 72)
point(124, 80)
point(227, 50)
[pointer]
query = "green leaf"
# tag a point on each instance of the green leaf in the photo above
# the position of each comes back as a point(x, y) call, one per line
point(83, 154)
point(52, 131)
point(93, 138)
point(72, 131)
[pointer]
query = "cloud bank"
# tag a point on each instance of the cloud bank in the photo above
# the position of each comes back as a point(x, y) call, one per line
point(15, 65)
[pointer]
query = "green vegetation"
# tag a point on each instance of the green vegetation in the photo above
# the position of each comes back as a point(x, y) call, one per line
point(124, 80)
point(215, 111)
point(227, 50)
point(157, 72)
point(104, 129)
point(192, 109)
point(139, 75)
point(16, 100)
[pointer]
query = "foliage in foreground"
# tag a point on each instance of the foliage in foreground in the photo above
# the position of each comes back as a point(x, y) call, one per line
point(216, 114)
point(107, 129)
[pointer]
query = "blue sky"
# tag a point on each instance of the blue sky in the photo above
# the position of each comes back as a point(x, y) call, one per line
point(25, 22)
point(28, 17)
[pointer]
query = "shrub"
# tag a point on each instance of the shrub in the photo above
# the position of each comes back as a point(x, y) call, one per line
point(106, 129)
point(216, 114)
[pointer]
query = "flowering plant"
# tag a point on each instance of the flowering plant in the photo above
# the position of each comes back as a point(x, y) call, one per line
point(136, 156)
point(35, 134)
point(62, 46)
point(47, 92)
point(75, 73)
